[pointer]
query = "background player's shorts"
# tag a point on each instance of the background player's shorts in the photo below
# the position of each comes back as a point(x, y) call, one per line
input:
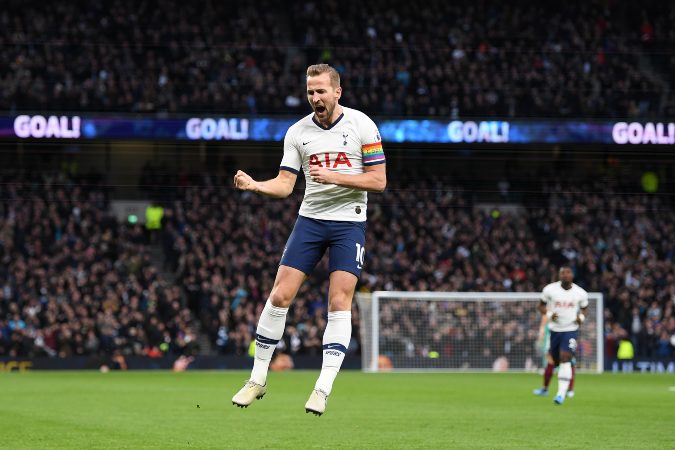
point(563, 341)
point(310, 238)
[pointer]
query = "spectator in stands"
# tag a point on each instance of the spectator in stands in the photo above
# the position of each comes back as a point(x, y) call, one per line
point(74, 281)
point(574, 59)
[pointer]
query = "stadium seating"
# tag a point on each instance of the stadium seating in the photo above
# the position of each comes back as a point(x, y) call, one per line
point(429, 239)
point(75, 282)
point(580, 59)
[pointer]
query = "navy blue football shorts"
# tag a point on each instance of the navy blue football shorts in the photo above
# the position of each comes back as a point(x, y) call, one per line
point(563, 341)
point(345, 242)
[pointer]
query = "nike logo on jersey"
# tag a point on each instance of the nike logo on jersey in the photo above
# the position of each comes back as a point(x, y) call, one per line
point(305, 143)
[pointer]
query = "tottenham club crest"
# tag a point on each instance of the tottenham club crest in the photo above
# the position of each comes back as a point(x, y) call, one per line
point(344, 136)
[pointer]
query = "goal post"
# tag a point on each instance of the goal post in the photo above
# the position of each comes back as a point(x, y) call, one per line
point(466, 331)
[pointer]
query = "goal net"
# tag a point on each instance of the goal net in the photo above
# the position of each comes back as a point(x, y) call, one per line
point(472, 331)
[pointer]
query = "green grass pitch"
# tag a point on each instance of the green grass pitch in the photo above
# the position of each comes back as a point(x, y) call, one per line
point(193, 410)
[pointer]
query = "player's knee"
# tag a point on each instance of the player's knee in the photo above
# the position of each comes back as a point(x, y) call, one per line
point(340, 301)
point(565, 357)
point(280, 299)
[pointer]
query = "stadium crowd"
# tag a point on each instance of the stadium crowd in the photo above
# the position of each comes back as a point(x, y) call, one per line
point(75, 282)
point(225, 250)
point(488, 58)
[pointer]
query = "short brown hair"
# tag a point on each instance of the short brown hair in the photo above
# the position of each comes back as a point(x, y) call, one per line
point(318, 69)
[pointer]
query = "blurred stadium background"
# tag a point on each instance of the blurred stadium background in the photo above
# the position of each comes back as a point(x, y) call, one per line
point(519, 136)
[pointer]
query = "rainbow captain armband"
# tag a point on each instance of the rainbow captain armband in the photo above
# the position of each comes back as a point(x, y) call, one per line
point(373, 154)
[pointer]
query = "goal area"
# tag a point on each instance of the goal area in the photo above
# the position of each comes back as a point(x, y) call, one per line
point(466, 331)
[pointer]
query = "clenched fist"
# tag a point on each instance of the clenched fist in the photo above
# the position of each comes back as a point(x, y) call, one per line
point(243, 181)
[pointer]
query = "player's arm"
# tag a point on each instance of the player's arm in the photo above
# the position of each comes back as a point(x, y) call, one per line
point(373, 178)
point(282, 185)
point(542, 326)
point(550, 315)
point(279, 187)
point(583, 305)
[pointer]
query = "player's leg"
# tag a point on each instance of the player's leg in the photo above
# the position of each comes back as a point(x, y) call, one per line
point(347, 253)
point(568, 345)
point(273, 319)
point(570, 391)
point(336, 337)
point(548, 374)
point(338, 331)
point(303, 251)
point(268, 333)
point(555, 350)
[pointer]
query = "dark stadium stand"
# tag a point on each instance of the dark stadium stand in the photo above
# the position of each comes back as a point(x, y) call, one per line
point(76, 282)
point(466, 58)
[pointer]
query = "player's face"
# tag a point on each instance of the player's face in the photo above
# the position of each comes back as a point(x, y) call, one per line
point(323, 96)
point(566, 275)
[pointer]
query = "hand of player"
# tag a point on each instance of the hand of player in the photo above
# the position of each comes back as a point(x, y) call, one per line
point(554, 317)
point(243, 181)
point(321, 174)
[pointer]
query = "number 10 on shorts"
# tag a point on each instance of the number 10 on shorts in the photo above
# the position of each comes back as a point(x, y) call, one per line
point(360, 255)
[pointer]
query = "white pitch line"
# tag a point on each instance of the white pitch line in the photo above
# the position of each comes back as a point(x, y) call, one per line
point(671, 389)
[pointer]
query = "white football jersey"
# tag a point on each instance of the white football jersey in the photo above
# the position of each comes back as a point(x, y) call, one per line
point(566, 303)
point(347, 146)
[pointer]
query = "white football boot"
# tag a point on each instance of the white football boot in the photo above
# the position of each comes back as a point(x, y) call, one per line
point(317, 402)
point(250, 392)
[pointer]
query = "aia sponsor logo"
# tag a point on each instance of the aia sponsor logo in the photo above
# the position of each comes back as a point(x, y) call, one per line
point(565, 305)
point(329, 160)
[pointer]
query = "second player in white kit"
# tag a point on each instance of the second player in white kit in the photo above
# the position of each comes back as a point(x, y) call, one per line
point(564, 303)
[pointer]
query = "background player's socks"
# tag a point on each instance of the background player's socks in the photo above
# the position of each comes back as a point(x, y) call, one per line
point(270, 329)
point(335, 342)
point(571, 388)
point(548, 374)
point(564, 376)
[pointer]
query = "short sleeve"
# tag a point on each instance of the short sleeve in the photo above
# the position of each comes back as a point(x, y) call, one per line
point(371, 143)
point(583, 302)
point(291, 161)
point(545, 295)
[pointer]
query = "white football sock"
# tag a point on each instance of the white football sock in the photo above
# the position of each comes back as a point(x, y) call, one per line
point(270, 329)
point(564, 377)
point(335, 343)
